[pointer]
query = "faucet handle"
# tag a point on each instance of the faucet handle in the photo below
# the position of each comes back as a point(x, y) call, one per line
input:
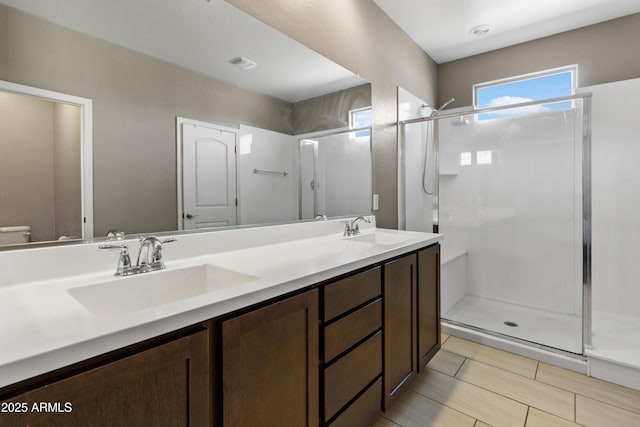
point(347, 228)
point(156, 255)
point(113, 247)
point(154, 240)
point(124, 261)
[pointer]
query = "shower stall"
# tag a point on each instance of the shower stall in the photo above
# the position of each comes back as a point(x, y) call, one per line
point(509, 187)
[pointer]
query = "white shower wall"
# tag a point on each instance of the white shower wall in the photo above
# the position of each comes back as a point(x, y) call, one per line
point(336, 178)
point(615, 352)
point(267, 198)
point(616, 199)
point(342, 170)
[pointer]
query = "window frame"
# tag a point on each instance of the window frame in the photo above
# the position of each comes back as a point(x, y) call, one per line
point(361, 133)
point(573, 69)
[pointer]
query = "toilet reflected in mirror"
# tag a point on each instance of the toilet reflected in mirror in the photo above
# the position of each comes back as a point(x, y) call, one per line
point(41, 167)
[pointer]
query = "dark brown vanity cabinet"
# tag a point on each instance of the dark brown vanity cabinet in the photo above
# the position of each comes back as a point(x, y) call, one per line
point(270, 365)
point(428, 289)
point(399, 324)
point(411, 317)
point(330, 355)
point(168, 384)
point(351, 368)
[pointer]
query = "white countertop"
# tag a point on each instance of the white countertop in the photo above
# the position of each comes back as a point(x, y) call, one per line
point(45, 328)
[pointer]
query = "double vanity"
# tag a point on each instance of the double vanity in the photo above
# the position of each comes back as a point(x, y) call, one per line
point(291, 324)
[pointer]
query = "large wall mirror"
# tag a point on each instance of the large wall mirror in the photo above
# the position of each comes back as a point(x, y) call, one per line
point(202, 116)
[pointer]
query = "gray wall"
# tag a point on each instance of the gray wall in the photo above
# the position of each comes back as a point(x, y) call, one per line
point(26, 167)
point(329, 111)
point(605, 52)
point(135, 101)
point(359, 36)
point(39, 166)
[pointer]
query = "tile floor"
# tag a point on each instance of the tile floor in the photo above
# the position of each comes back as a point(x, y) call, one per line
point(468, 384)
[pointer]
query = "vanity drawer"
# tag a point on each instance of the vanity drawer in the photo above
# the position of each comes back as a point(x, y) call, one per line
point(365, 411)
point(348, 293)
point(349, 375)
point(346, 332)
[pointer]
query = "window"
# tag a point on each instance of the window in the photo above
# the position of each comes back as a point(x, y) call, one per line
point(360, 118)
point(520, 89)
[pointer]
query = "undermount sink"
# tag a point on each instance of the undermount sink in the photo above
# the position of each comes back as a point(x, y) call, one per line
point(146, 290)
point(379, 238)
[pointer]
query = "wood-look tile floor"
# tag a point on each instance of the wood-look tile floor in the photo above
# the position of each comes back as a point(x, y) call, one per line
point(469, 384)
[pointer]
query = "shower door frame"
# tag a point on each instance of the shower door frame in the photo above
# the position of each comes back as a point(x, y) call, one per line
point(586, 196)
point(311, 137)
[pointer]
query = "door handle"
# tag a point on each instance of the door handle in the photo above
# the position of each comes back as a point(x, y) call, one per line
point(191, 216)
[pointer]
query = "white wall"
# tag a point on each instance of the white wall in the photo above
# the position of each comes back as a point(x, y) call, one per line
point(615, 197)
point(343, 170)
point(266, 198)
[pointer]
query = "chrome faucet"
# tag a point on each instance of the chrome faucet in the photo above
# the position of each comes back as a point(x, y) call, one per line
point(352, 228)
point(149, 256)
point(150, 253)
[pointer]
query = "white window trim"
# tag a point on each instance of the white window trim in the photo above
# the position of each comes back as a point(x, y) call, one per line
point(352, 112)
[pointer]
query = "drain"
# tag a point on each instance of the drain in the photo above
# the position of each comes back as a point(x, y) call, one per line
point(512, 324)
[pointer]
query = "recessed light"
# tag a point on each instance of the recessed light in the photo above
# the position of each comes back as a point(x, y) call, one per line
point(479, 30)
point(244, 63)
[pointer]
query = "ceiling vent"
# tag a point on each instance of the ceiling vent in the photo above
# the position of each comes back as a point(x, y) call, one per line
point(244, 63)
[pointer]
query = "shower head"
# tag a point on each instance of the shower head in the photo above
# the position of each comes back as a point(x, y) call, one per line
point(435, 112)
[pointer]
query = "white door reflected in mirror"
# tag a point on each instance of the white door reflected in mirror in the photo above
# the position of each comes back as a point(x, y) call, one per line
point(209, 175)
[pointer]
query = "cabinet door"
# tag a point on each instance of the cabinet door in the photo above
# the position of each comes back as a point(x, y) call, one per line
point(166, 385)
point(399, 324)
point(428, 304)
point(270, 365)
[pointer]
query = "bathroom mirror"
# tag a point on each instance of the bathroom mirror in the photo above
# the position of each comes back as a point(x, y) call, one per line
point(146, 65)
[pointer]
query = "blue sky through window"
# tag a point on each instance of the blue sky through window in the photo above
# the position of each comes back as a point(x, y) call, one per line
point(529, 89)
point(360, 118)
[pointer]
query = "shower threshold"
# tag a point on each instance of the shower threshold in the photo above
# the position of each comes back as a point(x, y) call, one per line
point(552, 356)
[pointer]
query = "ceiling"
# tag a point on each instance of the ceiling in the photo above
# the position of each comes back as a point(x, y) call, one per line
point(441, 27)
point(202, 36)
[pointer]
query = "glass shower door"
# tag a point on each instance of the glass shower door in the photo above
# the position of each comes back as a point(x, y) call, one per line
point(336, 178)
point(510, 207)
